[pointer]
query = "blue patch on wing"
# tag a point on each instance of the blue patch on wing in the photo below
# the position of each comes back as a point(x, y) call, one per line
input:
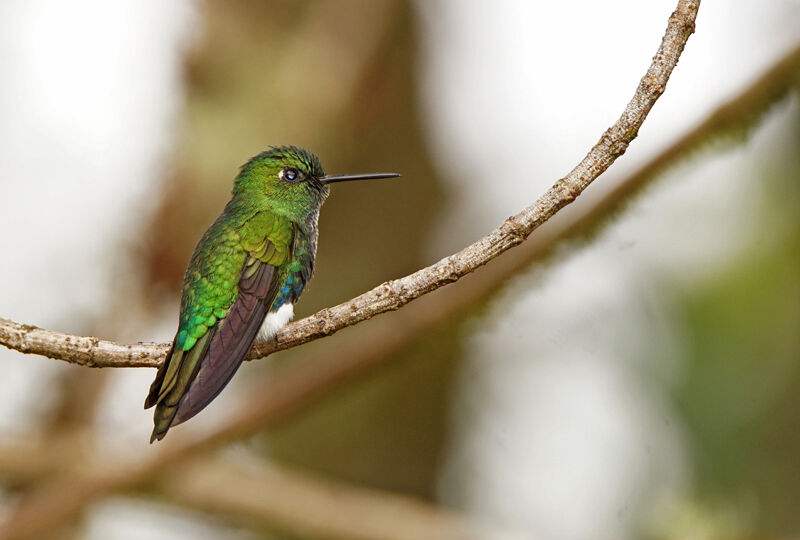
point(291, 289)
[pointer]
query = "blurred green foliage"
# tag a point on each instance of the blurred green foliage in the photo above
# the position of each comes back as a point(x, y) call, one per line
point(739, 395)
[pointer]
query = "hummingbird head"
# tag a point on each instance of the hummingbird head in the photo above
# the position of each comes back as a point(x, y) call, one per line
point(290, 180)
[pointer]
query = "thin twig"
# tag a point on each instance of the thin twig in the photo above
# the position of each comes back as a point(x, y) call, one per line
point(394, 294)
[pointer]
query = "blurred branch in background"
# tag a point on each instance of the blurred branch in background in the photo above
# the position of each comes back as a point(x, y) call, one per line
point(268, 495)
point(47, 508)
point(278, 497)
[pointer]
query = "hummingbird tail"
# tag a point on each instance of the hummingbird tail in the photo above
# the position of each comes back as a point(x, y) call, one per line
point(179, 369)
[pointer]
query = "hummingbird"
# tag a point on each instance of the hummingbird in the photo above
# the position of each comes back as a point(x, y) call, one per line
point(246, 273)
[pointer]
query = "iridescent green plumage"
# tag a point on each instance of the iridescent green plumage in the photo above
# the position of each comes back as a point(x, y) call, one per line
point(255, 258)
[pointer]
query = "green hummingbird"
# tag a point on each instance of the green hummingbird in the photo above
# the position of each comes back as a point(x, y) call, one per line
point(243, 279)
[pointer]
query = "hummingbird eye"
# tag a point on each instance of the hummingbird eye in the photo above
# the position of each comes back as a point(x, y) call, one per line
point(291, 175)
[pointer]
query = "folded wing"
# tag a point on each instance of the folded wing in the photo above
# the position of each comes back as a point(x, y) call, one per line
point(190, 380)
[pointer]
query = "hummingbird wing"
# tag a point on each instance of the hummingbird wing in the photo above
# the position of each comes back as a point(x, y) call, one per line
point(190, 379)
point(231, 341)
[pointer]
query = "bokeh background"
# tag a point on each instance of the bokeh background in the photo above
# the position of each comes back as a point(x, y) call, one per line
point(641, 382)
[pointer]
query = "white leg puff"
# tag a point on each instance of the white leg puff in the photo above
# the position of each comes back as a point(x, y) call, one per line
point(275, 321)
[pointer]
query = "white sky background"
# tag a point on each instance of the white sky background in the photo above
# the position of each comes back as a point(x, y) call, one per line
point(557, 430)
point(89, 93)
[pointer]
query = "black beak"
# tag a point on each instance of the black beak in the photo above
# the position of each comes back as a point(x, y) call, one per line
point(331, 178)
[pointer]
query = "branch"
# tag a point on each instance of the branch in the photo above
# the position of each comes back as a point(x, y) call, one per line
point(63, 497)
point(307, 507)
point(295, 385)
point(266, 494)
point(394, 294)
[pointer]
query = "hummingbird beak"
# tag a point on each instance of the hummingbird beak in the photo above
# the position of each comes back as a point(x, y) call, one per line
point(331, 178)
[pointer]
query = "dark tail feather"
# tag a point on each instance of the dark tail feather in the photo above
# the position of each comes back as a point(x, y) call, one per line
point(172, 381)
point(158, 382)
